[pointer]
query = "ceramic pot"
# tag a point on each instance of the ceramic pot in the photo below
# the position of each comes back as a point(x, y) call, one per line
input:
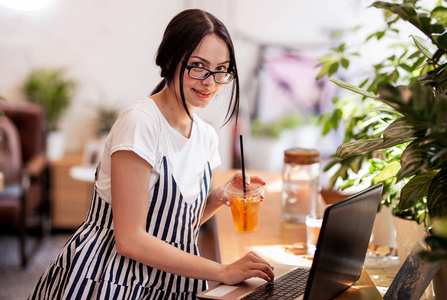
point(408, 232)
point(55, 145)
point(384, 232)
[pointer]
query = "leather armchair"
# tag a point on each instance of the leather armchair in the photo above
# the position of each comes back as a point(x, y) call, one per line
point(24, 201)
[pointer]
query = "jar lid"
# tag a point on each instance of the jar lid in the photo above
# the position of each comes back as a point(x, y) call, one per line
point(301, 156)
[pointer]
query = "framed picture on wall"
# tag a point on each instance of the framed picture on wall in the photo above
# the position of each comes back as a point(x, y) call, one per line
point(287, 85)
point(92, 152)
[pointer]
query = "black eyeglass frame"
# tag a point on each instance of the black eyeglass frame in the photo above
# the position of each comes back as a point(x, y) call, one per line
point(209, 74)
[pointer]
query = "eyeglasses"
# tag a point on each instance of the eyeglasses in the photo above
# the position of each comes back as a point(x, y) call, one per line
point(202, 73)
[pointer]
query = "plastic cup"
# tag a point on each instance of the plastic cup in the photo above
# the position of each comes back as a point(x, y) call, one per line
point(245, 207)
point(313, 226)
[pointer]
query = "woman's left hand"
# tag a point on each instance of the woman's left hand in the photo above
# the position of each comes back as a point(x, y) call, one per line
point(217, 198)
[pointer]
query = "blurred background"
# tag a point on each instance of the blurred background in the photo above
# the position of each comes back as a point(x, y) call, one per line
point(108, 49)
point(101, 53)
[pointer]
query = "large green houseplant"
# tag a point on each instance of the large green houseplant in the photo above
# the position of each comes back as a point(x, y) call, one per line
point(398, 124)
point(51, 89)
point(402, 128)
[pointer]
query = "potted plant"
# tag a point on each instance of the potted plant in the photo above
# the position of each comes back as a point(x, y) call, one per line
point(107, 116)
point(399, 126)
point(50, 88)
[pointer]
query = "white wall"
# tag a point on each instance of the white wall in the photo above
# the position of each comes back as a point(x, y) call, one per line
point(108, 47)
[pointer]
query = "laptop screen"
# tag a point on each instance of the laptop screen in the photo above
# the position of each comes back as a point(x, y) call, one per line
point(342, 244)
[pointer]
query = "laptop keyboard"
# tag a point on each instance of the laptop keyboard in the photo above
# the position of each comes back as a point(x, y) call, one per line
point(289, 286)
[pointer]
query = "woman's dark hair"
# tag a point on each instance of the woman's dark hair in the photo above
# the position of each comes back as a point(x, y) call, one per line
point(181, 37)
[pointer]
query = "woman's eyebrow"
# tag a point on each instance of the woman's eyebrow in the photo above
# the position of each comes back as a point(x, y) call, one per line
point(207, 62)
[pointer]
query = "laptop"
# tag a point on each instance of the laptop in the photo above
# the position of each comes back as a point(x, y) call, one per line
point(338, 261)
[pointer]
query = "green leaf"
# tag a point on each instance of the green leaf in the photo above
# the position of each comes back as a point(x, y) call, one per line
point(332, 121)
point(356, 147)
point(341, 48)
point(344, 63)
point(418, 63)
point(370, 36)
point(331, 164)
point(394, 76)
point(413, 160)
point(439, 227)
point(333, 68)
point(425, 46)
point(400, 128)
point(353, 88)
point(389, 171)
point(405, 11)
point(442, 40)
point(362, 84)
point(356, 164)
point(423, 23)
point(393, 96)
point(437, 195)
point(348, 184)
point(422, 99)
point(324, 71)
point(416, 189)
point(343, 172)
point(439, 12)
point(428, 49)
point(407, 68)
point(436, 28)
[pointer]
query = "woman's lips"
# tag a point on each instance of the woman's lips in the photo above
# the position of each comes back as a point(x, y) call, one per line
point(202, 93)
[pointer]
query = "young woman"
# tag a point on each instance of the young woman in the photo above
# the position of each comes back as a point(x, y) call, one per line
point(152, 191)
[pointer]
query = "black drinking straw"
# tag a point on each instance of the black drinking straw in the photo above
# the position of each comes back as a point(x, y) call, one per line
point(243, 166)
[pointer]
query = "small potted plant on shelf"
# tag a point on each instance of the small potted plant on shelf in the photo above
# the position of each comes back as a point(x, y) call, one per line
point(106, 116)
point(51, 89)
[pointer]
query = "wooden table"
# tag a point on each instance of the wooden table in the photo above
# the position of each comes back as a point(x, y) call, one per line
point(70, 198)
point(276, 241)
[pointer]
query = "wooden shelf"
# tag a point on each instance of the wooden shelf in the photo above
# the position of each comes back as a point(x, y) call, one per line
point(70, 198)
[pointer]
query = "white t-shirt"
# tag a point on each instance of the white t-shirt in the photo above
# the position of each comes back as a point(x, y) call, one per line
point(142, 128)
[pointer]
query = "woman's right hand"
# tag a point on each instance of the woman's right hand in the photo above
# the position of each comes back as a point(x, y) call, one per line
point(250, 265)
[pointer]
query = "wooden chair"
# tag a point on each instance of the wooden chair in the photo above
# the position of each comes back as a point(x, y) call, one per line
point(413, 277)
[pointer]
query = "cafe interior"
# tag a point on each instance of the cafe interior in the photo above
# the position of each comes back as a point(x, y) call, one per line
point(102, 55)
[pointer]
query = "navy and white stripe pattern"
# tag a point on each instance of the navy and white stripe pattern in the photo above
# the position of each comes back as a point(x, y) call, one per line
point(89, 267)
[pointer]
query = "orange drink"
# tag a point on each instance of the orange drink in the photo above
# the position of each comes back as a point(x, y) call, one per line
point(245, 207)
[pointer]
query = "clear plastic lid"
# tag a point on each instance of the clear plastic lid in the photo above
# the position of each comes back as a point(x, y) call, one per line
point(236, 189)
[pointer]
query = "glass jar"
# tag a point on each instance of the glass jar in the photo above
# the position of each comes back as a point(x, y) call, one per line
point(300, 192)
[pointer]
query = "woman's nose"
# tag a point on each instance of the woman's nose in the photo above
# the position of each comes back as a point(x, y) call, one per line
point(209, 81)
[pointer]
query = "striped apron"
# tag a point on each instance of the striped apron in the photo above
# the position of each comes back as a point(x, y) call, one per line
point(89, 267)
